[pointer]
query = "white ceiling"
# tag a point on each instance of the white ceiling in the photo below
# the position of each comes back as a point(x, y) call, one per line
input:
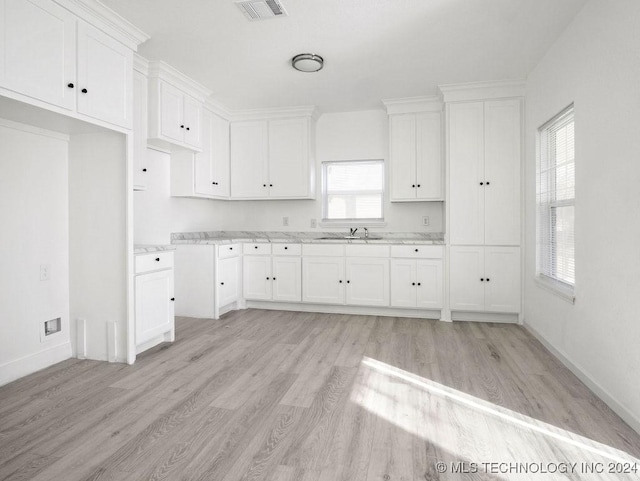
point(373, 49)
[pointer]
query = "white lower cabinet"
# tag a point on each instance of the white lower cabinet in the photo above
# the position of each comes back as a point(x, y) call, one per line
point(416, 283)
point(367, 281)
point(485, 279)
point(272, 278)
point(154, 298)
point(228, 286)
point(323, 280)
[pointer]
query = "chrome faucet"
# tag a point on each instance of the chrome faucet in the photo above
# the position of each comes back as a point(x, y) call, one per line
point(352, 231)
point(366, 233)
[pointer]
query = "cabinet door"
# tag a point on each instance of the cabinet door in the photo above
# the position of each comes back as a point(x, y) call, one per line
point(429, 156)
point(154, 308)
point(287, 273)
point(228, 280)
point(140, 168)
point(367, 281)
point(105, 69)
point(403, 283)
point(402, 149)
point(429, 284)
point(502, 270)
point(249, 159)
point(192, 115)
point(466, 272)
point(323, 280)
point(289, 174)
point(466, 162)
point(202, 168)
point(502, 172)
point(256, 278)
point(220, 157)
point(171, 112)
point(38, 42)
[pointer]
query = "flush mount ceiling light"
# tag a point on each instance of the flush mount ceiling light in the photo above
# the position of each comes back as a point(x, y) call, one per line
point(307, 62)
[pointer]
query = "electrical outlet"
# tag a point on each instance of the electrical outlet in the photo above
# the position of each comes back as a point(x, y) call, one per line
point(425, 220)
point(313, 223)
point(285, 221)
point(45, 272)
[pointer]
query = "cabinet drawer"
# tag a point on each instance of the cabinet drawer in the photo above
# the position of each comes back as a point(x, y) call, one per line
point(286, 249)
point(329, 250)
point(257, 249)
point(367, 251)
point(154, 262)
point(229, 250)
point(417, 251)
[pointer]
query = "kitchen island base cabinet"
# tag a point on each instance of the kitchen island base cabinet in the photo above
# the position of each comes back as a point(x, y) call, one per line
point(485, 279)
point(154, 299)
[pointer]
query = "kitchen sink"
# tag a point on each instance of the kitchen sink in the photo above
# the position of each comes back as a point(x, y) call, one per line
point(350, 237)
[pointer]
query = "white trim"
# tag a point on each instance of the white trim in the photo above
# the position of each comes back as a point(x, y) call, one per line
point(352, 223)
point(413, 104)
point(560, 289)
point(464, 92)
point(10, 124)
point(140, 64)
point(344, 309)
point(106, 20)
point(217, 108)
point(626, 415)
point(12, 370)
point(484, 317)
point(164, 71)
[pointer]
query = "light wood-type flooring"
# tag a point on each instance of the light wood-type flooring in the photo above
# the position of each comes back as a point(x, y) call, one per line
point(284, 396)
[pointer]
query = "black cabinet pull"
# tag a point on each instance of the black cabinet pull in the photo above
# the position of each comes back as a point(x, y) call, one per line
point(264, 185)
point(340, 282)
point(274, 278)
point(255, 247)
point(488, 279)
point(270, 185)
point(182, 126)
point(488, 182)
point(413, 283)
point(419, 284)
point(173, 299)
point(418, 185)
point(70, 85)
point(348, 282)
point(481, 183)
point(482, 279)
point(222, 283)
point(84, 91)
point(416, 250)
point(157, 259)
point(267, 278)
point(144, 170)
point(230, 248)
point(285, 247)
point(413, 186)
point(188, 128)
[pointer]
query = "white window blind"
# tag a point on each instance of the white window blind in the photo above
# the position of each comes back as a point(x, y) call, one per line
point(353, 190)
point(556, 179)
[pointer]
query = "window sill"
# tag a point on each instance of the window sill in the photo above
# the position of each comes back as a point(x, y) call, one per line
point(352, 223)
point(564, 291)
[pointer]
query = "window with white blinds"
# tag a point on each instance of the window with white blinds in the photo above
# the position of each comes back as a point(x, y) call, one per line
point(556, 185)
point(353, 190)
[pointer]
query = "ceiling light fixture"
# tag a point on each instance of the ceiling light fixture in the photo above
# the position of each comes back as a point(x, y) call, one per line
point(307, 62)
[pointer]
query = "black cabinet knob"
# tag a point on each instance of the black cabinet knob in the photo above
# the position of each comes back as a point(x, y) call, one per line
point(157, 259)
point(348, 282)
point(285, 247)
point(413, 283)
point(488, 279)
point(188, 128)
point(418, 185)
point(481, 183)
point(413, 186)
point(84, 91)
point(482, 279)
point(255, 247)
point(182, 126)
point(70, 85)
point(264, 185)
point(230, 248)
point(488, 182)
point(267, 278)
point(144, 170)
point(270, 185)
point(419, 284)
point(173, 299)
point(222, 283)
point(274, 278)
point(416, 250)
point(340, 282)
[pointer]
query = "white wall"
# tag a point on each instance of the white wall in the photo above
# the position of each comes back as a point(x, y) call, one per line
point(339, 136)
point(35, 231)
point(595, 63)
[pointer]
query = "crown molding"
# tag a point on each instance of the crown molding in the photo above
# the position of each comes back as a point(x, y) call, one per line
point(275, 113)
point(413, 104)
point(103, 18)
point(217, 108)
point(140, 64)
point(483, 90)
point(164, 71)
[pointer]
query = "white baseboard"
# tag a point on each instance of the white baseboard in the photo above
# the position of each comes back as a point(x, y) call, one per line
point(626, 415)
point(18, 368)
point(338, 309)
point(484, 317)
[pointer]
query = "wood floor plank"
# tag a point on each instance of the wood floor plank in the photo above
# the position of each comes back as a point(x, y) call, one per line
point(280, 396)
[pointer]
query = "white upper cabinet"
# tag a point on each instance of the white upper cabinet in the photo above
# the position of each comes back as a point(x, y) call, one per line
point(416, 161)
point(53, 58)
point(175, 109)
point(484, 163)
point(140, 167)
point(38, 43)
point(220, 182)
point(272, 159)
point(105, 70)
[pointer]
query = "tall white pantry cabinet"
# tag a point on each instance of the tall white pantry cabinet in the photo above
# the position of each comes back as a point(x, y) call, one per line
point(484, 194)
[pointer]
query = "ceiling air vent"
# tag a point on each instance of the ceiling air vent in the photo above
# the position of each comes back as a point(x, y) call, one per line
point(261, 9)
